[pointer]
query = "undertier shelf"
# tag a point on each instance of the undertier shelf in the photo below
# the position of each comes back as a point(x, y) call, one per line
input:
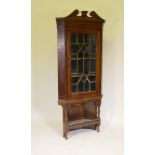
point(82, 123)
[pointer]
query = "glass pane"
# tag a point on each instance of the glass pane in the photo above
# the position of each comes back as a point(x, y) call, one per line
point(86, 66)
point(74, 48)
point(75, 80)
point(80, 87)
point(83, 62)
point(93, 51)
point(87, 38)
point(86, 86)
point(80, 54)
point(92, 86)
point(92, 78)
point(73, 38)
point(80, 66)
point(80, 38)
point(87, 54)
point(83, 79)
point(93, 39)
point(93, 65)
point(74, 66)
point(73, 88)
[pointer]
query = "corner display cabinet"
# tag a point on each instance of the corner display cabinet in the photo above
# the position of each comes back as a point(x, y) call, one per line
point(79, 69)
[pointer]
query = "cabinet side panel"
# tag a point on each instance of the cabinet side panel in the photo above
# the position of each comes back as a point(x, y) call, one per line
point(61, 43)
point(100, 64)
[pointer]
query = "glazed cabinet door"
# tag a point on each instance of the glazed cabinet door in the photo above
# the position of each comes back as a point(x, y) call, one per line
point(84, 63)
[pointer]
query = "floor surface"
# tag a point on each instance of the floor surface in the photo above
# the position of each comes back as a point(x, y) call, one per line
point(47, 140)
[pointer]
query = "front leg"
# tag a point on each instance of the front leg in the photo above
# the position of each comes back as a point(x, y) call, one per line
point(98, 116)
point(98, 128)
point(65, 121)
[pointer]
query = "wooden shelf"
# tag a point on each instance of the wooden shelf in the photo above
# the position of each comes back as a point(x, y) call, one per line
point(82, 123)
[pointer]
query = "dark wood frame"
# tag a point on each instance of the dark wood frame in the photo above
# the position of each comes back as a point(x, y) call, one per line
point(77, 107)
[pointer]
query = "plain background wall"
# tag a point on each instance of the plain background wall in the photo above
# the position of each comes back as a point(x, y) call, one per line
point(44, 58)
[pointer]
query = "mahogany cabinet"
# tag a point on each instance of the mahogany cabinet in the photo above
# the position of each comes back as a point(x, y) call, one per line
point(79, 40)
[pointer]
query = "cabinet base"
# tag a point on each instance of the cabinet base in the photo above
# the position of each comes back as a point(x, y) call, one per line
point(81, 114)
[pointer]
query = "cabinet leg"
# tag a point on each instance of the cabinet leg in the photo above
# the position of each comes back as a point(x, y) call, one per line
point(98, 128)
point(65, 125)
point(98, 116)
point(65, 135)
